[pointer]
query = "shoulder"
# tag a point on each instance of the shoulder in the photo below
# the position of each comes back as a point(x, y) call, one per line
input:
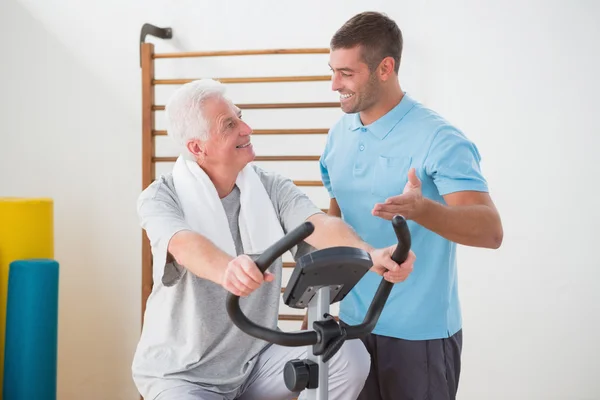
point(280, 189)
point(434, 128)
point(448, 145)
point(162, 190)
point(428, 119)
point(271, 180)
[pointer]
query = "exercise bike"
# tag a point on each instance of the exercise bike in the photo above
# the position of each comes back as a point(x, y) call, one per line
point(320, 279)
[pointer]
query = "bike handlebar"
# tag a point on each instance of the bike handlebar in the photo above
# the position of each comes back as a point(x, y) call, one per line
point(383, 291)
point(294, 339)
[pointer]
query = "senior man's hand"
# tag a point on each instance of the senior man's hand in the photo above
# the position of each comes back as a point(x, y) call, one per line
point(242, 276)
point(388, 268)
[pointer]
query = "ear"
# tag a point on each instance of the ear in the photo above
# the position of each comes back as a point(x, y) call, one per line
point(196, 148)
point(386, 68)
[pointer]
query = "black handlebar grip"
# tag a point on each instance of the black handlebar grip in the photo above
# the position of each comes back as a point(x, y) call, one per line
point(383, 291)
point(404, 241)
point(291, 239)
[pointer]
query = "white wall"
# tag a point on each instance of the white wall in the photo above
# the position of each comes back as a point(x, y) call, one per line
point(519, 77)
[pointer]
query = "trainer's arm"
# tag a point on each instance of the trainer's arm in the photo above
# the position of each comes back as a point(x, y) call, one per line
point(468, 218)
point(467, 215)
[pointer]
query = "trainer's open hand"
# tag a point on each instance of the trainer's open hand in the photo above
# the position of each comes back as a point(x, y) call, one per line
point(388, 268)
point(409, 204)
point(242, 276)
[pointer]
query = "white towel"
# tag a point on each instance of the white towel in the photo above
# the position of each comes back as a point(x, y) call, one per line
point(203, 210)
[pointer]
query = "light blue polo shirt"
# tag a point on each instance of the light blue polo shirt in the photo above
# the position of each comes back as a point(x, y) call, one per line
point(363, 165)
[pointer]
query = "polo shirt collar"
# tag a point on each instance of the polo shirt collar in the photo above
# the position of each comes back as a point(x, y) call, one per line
point(383, 126)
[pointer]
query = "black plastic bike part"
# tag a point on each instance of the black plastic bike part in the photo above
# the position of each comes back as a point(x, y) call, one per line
point(399, 256)
point(331, 336)
point(301, 374)
point(327, 330)
point(334, 346)
point(286, 243)
point(340, 268)
point(153, 30)
point(293, 238)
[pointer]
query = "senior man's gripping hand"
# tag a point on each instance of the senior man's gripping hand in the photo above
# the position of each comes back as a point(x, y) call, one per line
point(388, 268)
point(239, 275)
point(242, 276)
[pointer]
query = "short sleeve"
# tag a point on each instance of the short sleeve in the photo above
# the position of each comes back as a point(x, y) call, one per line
point(323, 167)
point(293, 207)
point(453, 162)
point(161, 218)
point(293, 204)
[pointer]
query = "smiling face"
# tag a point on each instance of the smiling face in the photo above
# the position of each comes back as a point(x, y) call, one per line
point(228, 148)
point(359, 88)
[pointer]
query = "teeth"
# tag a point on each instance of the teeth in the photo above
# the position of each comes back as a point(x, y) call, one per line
point(345, 96)
point(243, 145)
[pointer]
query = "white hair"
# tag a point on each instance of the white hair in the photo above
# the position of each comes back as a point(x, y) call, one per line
point(184, 115)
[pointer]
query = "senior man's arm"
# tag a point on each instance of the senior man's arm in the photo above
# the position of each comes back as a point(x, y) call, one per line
point(172, 238)
point(332, 231)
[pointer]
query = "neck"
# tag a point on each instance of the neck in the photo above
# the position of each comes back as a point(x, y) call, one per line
point(390, 97)
point(223, 179)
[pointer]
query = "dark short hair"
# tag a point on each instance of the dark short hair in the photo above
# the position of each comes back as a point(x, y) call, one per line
point(377, 34)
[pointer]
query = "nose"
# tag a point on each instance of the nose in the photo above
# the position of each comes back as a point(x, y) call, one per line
point(246, 129)
point(335, 82)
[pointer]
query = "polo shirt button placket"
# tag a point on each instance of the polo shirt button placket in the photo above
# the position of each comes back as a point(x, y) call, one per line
point(361, 145)
point(359, 162)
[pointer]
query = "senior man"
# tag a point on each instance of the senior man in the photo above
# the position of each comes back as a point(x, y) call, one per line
point(205, 220)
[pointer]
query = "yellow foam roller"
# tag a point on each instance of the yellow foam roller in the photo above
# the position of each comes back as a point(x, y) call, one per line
point(26, 231)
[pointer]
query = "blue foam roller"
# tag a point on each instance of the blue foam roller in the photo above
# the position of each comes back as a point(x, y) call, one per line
point(31, 330)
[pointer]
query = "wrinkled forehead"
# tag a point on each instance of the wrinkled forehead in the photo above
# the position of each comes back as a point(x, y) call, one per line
point(218, 112)
point(217, 107)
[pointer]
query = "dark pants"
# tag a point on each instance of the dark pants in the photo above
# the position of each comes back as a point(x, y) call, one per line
point(412, 370)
